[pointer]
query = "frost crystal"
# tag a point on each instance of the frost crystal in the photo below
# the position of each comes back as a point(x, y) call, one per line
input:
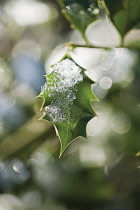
point(61, 87)
point(55, 113)
point(44, 87)
point(68, 73)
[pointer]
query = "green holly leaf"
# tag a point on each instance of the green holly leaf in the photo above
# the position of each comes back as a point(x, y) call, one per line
point(67, 96)
point(125, 14)
point(80, 13)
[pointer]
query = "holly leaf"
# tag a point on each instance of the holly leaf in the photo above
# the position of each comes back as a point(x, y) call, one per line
point(125, 14)
point(80, 13)
point(67, 96)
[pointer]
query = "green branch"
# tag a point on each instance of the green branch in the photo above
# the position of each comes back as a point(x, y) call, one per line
point(72, 46)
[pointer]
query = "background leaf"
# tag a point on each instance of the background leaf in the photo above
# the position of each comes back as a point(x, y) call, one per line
point(125, 14)
point(80, 13)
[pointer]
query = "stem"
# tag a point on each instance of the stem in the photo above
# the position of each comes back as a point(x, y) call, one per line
point(122, 41)
point(62, 5)
point(73, 45)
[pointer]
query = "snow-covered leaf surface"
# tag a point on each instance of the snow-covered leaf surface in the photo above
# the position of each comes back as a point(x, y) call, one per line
point(67, 97)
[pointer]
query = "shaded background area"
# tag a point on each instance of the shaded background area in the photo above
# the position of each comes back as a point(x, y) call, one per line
point(98, 173)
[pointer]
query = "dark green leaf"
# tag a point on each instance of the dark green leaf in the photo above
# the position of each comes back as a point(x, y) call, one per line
point(125, 14)
point(80, 13)
point(120, 21)
point(67, 96)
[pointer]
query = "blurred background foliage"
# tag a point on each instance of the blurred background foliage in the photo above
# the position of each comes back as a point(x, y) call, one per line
point(98, 173)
